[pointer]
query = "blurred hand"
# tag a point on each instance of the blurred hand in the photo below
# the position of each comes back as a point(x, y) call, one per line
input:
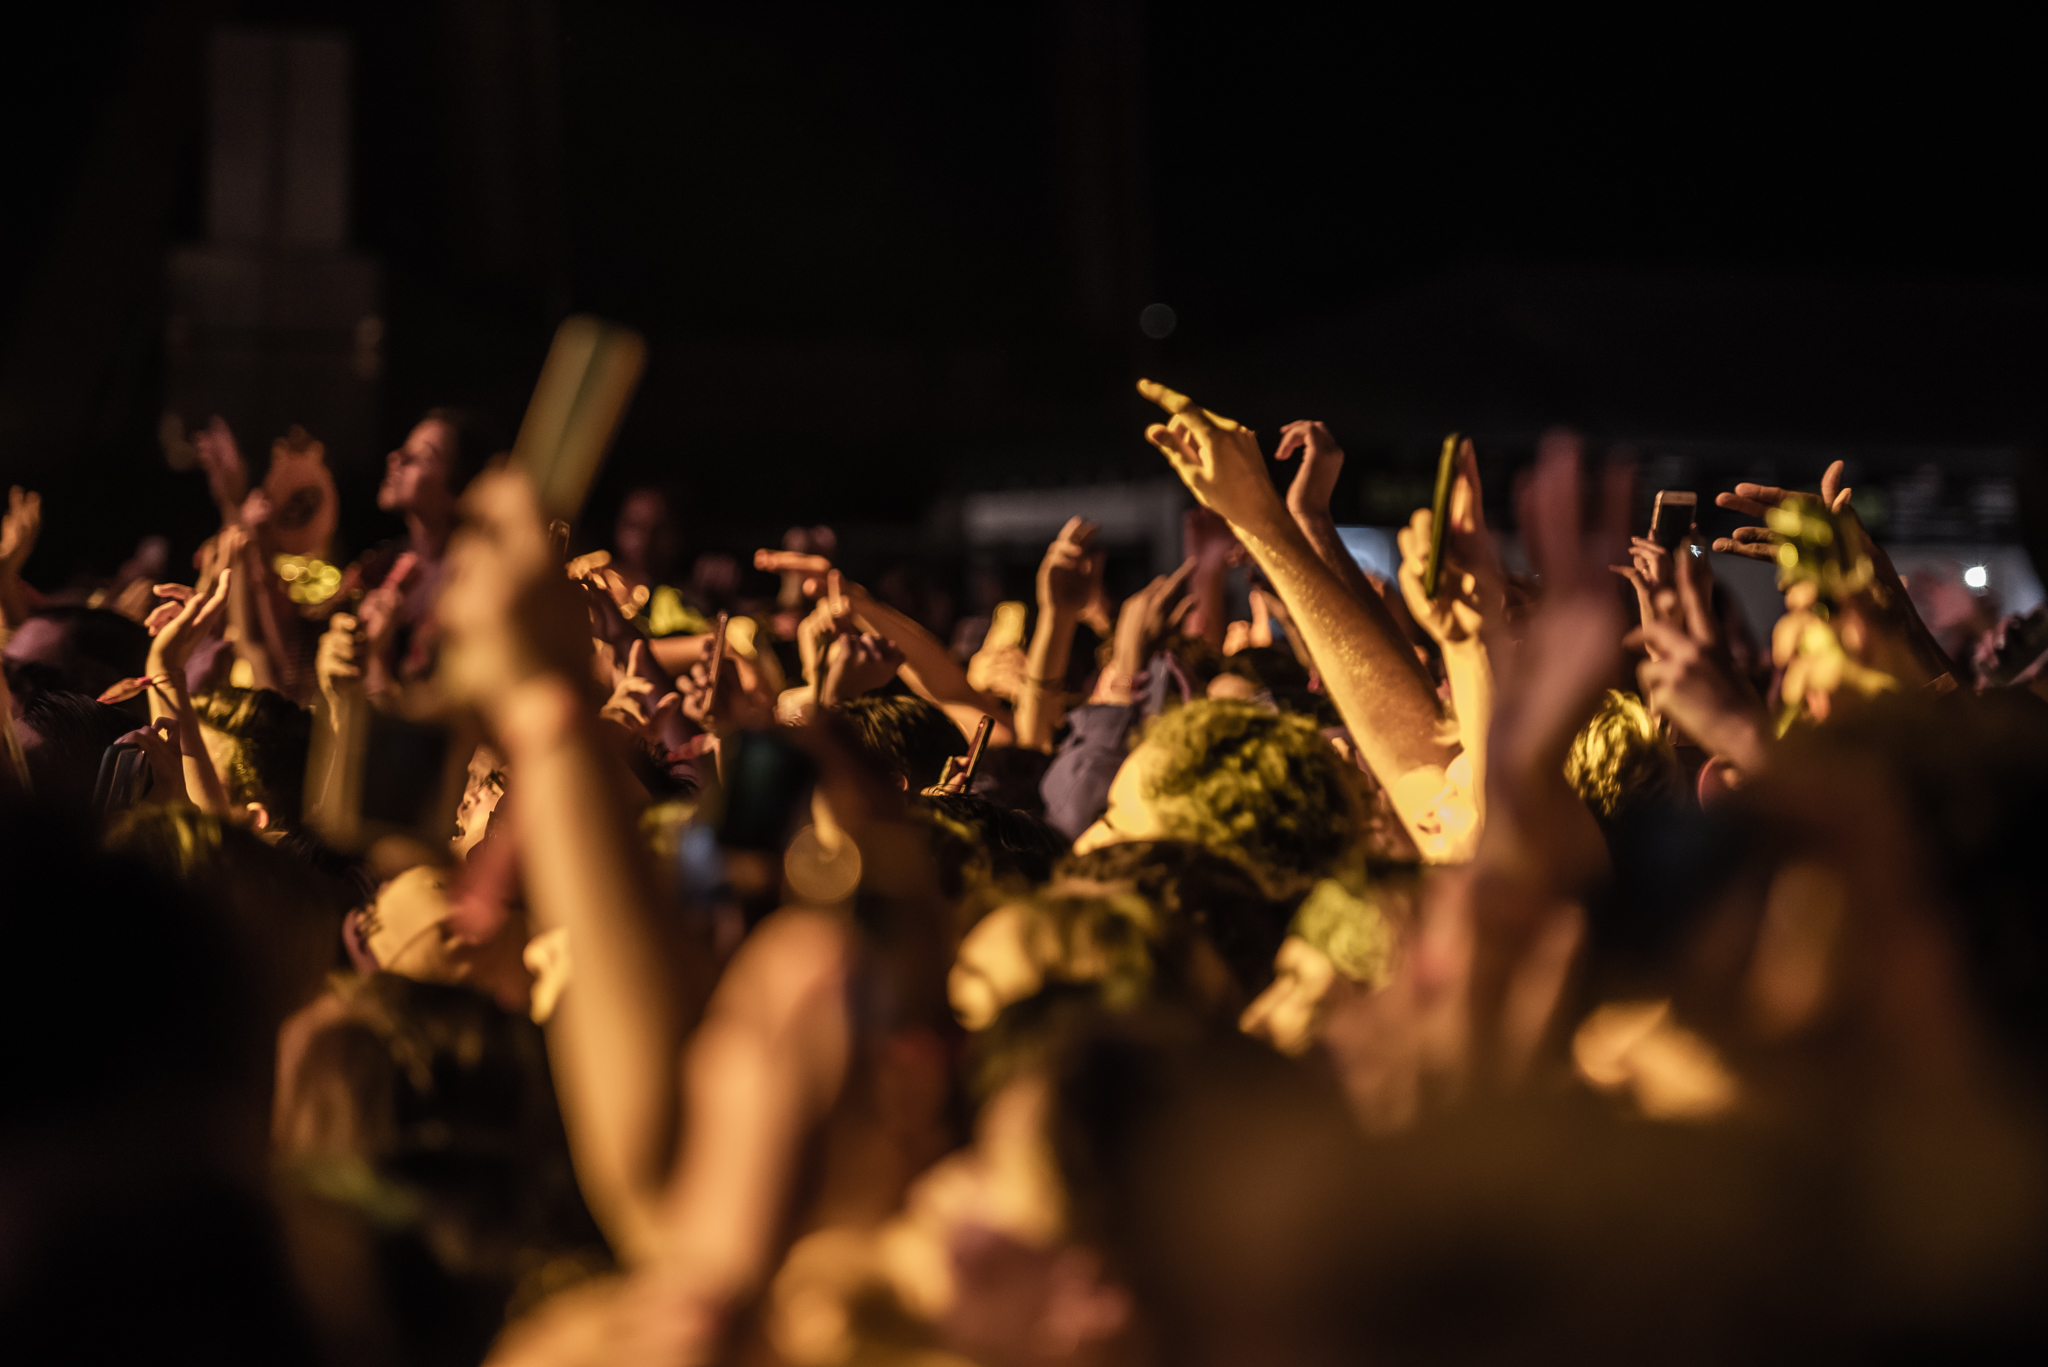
point(1315, 479)
point(1071, 572)
point(1755, 500)
point(1207, 537)
point(1700, 691)
point(226, 477)
point(1000, 671)
point(335, 658)
point(1217, 459)
point(19, 528)
point(632, 703)
point(506, 611)
point(378, 611)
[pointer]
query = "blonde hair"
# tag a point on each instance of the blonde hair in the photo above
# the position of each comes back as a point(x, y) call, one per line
point(1620, 754)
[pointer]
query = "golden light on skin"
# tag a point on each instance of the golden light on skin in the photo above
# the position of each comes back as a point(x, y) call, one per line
point(995, 966)
point(1133, 812)
point(1285, 1014)
point(1637, 1048)
point(1793, 962)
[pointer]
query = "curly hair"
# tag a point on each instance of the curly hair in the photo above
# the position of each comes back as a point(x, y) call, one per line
point(1620, 760)
point(1260, 786)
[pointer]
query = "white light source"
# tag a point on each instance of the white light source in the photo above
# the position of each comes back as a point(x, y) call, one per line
point(1976, 576)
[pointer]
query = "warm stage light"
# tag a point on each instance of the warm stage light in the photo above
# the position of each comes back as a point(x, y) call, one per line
point(1976, 576)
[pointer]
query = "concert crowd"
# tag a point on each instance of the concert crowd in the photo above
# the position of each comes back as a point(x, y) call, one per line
point(527, 944)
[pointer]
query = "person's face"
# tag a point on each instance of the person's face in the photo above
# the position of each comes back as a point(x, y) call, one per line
point(1285, 1014)
point(481, 791)
point(995, 966)
point(1133, 813)
point(640, 523)
point(418, 474)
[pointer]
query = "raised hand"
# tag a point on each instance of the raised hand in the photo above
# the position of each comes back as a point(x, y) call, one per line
point(857, 664)
point(1143, 623)
point(506, 611)
point(182, 622)
point(158, 744)
point(1315, 479)
point(632, 694)
point(1757, 500)
point(1070, 575)
point(19, 527)
point(334, 660)
point(1218, 459)
point(226, 476)
point(378, 611)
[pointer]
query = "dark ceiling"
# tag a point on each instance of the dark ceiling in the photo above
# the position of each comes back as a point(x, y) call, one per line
point(883, 251)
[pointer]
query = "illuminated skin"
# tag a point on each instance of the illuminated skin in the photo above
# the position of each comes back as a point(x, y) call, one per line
point(1372, 676)
point(995, 967)
point(1133, 812)
point(417, 483)
point(1286, 1013)
point(482, 790)
point(411, 935)
point(643, 519)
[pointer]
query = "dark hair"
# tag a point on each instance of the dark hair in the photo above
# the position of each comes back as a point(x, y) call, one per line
point(438, 1104)
point(281, 915)
point(63, 737)
point(1261, 786)
point(271, 735)
point(477, 439)
point(99, 647)
point(901, 736)
point(1216, 895)
point(974, 838)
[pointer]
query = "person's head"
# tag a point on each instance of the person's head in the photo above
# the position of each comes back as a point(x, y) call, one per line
point(1338, 940)
point(412, 931)
point(905, 739)
point(75, 650)
point(1109, 943)
point(644, 539)
point(64, 736)
point(282, 913)
point(979, 843)
point(428, 471)
point(482, 789)
point(1182, 880)
point(1621, 763)
point(1263, 787)
point(257, 738)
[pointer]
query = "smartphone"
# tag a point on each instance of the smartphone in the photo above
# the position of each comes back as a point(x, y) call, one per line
point(718, 630)
point(1672, 517)
point(585, 385)
point(1440, 513)
point(125, 779)
point(767, 786)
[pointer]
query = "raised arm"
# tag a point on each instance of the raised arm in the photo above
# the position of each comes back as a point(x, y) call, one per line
point(1068, 577)
point(178, 626)
point(1371, 674)
point(517, 649)
point(19, 526)
point(1308, 500)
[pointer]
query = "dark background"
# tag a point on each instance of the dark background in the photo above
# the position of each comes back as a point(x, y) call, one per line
point(886, 255)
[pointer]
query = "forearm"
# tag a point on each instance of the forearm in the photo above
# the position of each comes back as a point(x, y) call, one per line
point(1321, 531)
point(935, 674)
point(616, 1036)
point(169, 699)
point(1209, 589)
point(248, 628)
point(1470, 672)
point(1042, 702)
point(1372, 676)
